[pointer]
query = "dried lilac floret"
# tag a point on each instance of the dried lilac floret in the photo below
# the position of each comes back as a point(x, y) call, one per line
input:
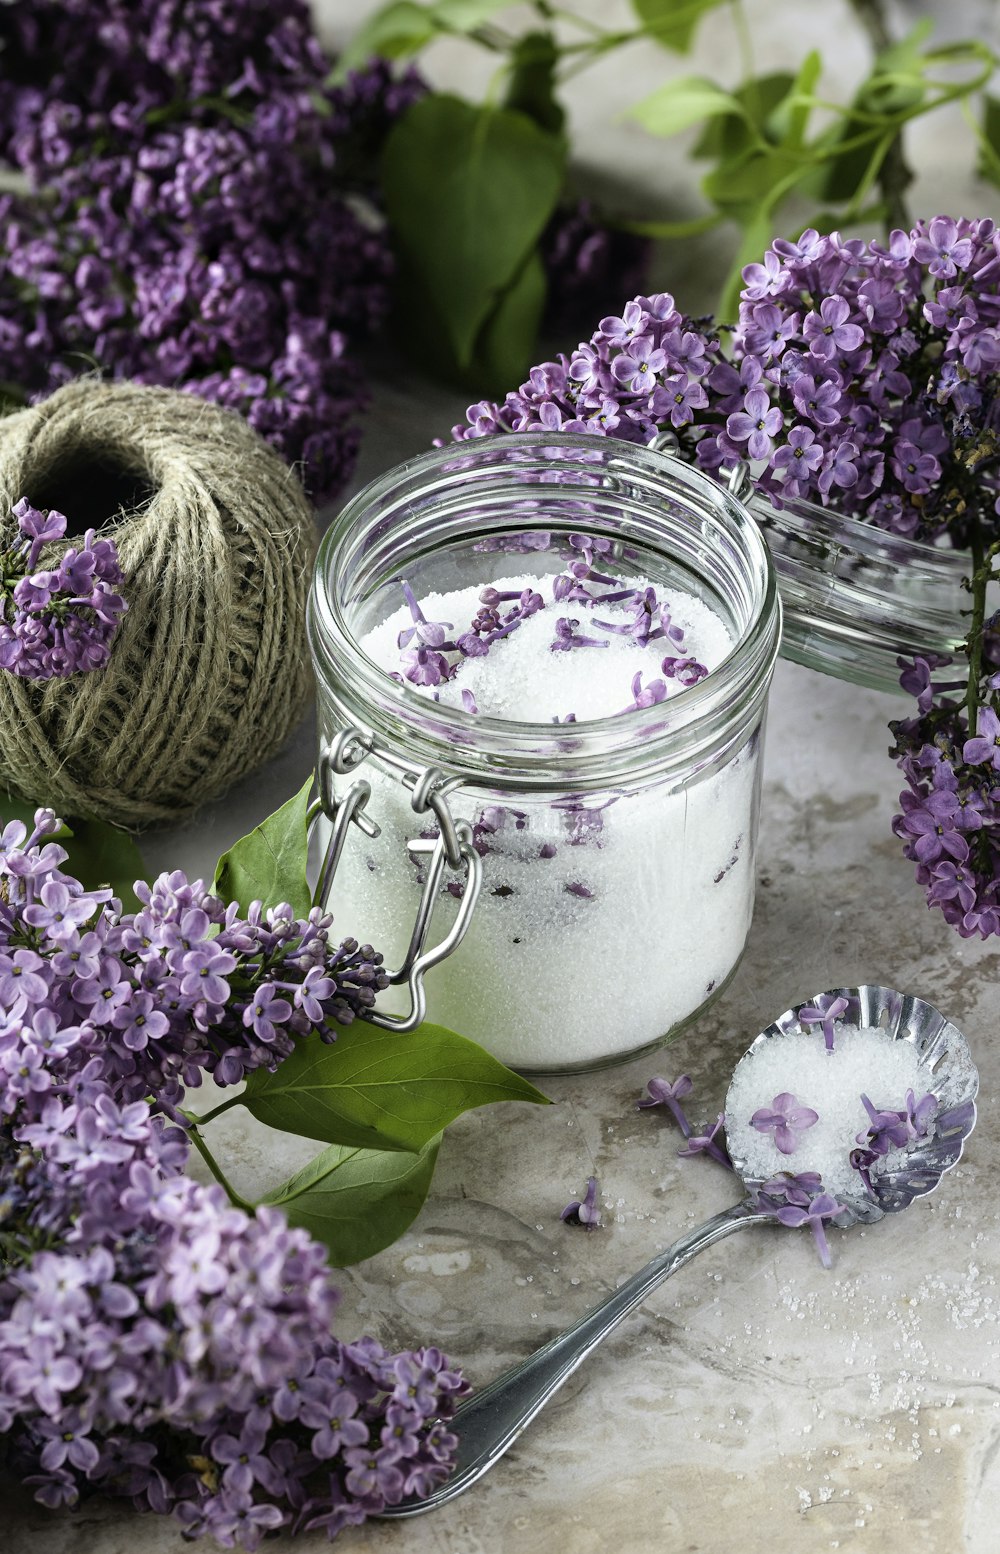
point(585, 1212)
point(786, 1118)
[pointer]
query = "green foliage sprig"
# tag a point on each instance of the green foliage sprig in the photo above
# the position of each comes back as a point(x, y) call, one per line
point(470, 187)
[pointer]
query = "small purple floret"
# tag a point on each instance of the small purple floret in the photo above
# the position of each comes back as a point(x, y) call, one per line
point(787, 1119)
point(585, 1212)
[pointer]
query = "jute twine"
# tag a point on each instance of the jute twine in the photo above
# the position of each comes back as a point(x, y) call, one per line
point(209, 671)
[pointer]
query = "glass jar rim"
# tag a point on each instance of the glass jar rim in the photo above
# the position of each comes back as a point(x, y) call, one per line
point(641, 742)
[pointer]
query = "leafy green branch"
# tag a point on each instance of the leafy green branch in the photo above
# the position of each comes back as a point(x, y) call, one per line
point(469, 188)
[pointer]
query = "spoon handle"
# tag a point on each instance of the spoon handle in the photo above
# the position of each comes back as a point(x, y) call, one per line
point(494, 1417)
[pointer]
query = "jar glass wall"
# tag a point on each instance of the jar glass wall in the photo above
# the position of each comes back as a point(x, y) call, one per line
point(618, 853)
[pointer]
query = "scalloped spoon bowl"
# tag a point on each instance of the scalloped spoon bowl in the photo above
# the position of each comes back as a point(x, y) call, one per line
point(493, 1418)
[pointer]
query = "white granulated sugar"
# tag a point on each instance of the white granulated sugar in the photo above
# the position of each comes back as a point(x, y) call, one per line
point(598, 930)
point(522, 681)
point(866, 1060)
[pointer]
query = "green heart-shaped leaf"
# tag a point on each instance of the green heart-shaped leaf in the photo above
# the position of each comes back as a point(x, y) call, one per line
point(377, 1089)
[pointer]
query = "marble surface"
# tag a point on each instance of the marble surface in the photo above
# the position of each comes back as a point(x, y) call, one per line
point(756, 1402)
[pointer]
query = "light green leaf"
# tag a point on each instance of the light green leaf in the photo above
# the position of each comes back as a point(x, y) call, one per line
point(734, 132)
point(100, 854)
point(269, 865)
point(465, 15)
point(357, 1201)
point(395, 31)
point(378, 1089)
point(786, 122)
point(683, 102)
point(467, 191)
point(673, 22)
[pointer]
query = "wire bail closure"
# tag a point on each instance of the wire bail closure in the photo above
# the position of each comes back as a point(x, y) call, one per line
point(452, 848)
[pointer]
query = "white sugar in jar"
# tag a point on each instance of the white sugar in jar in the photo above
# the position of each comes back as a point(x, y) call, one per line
point(617, 848)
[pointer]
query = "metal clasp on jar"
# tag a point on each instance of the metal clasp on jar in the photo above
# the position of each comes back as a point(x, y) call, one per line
point(452, 849)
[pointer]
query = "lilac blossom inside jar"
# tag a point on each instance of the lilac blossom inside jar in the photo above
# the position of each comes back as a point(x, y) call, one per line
point(577, 636)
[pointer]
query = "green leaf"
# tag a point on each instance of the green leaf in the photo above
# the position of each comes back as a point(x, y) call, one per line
point(753, 179)
point(673, 22)
point(378, 1089)
point(100, 854)
point(733, 132)
point(395, 31)
point(989, 147)
point(357, 1201)
point(683, 102)
point(269, 865)
point(504, 350)
point(465, 15)
point(467, 191)
point(531, 89)
point(785, 123)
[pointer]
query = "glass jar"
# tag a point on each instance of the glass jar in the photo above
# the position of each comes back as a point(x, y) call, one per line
point(856, 598)
point(616, 855)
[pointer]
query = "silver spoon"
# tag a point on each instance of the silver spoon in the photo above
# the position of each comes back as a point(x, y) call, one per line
point(493, 1418)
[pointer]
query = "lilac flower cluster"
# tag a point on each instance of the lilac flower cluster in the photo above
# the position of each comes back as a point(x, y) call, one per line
point(862, 375)
point(866, 375)
point(156, 1343)
point(62, 621)
point(649, 370)
point(201, 212)
point(589, 265)
point(949, 819)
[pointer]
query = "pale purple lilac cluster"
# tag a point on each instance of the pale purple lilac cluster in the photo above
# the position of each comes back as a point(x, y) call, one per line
point(201, 212)
point(155, 1342)
point(949, 820)
point(862, 376)
point(648, 370)
point(865, 376)
point(62, 620)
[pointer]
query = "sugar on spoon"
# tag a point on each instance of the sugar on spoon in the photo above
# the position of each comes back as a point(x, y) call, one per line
point(495, 1416)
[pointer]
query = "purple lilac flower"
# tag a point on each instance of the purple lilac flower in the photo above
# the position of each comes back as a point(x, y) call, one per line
point(585, 1212)
point(948, 816)
point(825, 1011)
point(208, 216)
point(819, 1209)
point(708, 1143)
point(62, 620)
point(155, 1342)
point(786, 1119)
point(661, 1092)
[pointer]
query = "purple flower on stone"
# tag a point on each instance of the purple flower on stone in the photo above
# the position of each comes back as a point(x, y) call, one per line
point(821, 1208)
point(708, 1144)
point(786, 1119)
point(584, 1212)
point(661, 1092)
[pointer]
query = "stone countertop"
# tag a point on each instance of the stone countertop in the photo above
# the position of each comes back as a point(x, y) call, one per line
point(756, 1403)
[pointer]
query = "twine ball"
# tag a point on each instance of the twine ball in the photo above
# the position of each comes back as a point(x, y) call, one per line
point(209, 671)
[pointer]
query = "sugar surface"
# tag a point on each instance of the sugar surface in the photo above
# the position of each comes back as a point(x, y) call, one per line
point(866, 1060)
point(522, 680)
